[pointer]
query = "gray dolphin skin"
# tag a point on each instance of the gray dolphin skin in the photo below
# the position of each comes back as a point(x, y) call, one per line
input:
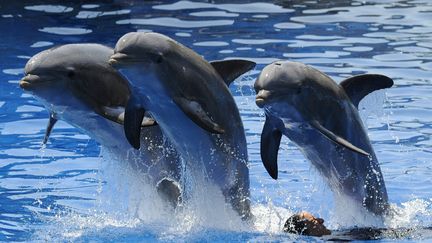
point(190, 100)
point(76, 84)
point(322, 119)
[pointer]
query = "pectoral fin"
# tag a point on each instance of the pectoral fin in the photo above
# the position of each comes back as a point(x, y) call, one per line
point(270, 141)
point(198, 115)
point(229, 70)
point(133, 118)
point(52, 121)
point(357, 87)
point(336, 139)
point(116, 114)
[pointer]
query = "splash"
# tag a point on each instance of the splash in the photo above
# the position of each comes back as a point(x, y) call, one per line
point(372, 105)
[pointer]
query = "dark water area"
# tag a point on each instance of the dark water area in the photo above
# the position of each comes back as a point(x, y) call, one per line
point(64, 192)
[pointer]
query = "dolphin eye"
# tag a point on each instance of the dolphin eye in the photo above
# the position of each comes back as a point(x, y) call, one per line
point(159, 59)
point(71, 73)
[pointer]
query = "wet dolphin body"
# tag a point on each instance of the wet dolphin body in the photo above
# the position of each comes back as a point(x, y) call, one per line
point(190, 100)
point(322, 119)
point(76, 84)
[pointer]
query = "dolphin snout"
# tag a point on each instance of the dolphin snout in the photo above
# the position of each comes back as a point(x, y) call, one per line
point(261, 97)
point(117, 58)
point(28, 81)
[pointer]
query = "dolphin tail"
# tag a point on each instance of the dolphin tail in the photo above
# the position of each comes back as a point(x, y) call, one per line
point(133, 117)
point(336, 139)
point(270, 142)
point(52, 121)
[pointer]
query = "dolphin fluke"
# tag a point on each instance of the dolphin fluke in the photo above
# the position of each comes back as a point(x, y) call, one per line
point(52, 121)
point(270, 142)
point(229, 70)
point(133, 117)
point(357, 87)
point(336, 139)
point(198, 115)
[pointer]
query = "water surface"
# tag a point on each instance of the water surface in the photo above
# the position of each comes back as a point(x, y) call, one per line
point(68, 192)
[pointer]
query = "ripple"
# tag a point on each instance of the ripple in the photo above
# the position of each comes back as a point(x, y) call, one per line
point(96, 14)
point(27, 152)
point(14, 71)
point(395, 57)
point(412, 49)
point(338, 43)
point(33, 126)
point(425, 44)
point(260, 16)
point(226, 51)
point(173, 22)
point(236, 8)
point(389, 35)
point(358, 48)
point(319, 37)
point(326, 54)
point(214, 14)
point(50, 8)
point(417, 30)
point(289, 25)
point(211, 43)
point(183, 34)
point(29, 108)
point(258, 41)
point(41, 44)
point(383, 14)
point(90, 6)
point(65, 30)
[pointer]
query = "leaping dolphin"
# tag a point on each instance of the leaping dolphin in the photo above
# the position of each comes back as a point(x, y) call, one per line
point(190, 100)
point(76, 84)
point(322, 119)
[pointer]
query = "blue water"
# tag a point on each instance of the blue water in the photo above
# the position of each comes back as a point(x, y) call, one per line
point(71, 190)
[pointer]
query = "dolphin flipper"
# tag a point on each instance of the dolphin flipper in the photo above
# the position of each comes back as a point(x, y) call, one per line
point(133, 117)
point(336, 139)
point(270, 141)
point(357, 87)
point(52, 121)
point(116, 114)
point(229, 70)
point(198, 115)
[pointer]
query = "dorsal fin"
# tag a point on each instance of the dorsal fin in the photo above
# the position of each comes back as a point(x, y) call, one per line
point(229, 70)
point(357, 87)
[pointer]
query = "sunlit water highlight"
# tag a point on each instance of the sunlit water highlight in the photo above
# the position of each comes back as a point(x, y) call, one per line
point(73, 191)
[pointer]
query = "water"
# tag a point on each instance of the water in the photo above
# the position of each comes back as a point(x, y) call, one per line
point(71, 190)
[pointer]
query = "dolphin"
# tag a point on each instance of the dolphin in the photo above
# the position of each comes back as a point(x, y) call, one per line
point(322, 120)
point(77, 85)
point(191, 102)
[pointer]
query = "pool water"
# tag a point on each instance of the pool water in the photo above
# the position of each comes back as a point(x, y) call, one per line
point(71, 189)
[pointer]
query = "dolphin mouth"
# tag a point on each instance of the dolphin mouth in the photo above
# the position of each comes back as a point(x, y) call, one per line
point(30, 81)
point(259, 102)
point(261, 97)
point(119, 59)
